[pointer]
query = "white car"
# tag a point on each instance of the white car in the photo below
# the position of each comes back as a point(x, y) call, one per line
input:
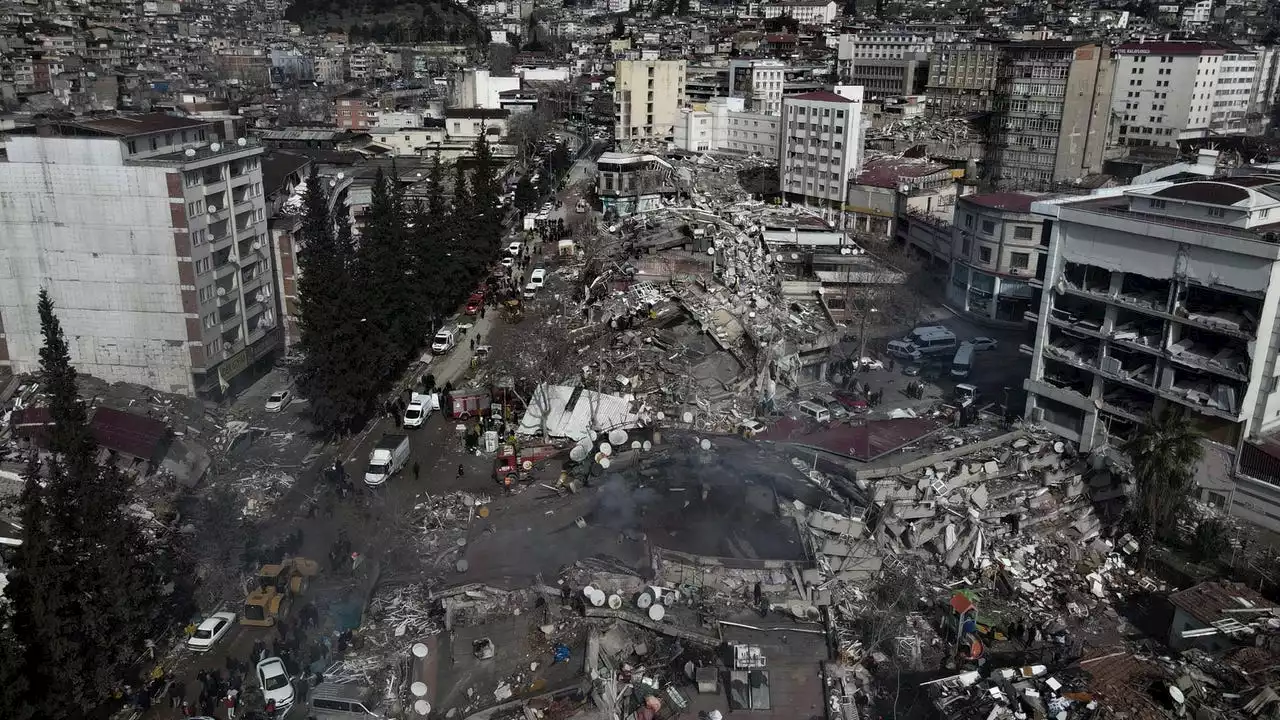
point(513, 249)
point(415, 413)
point(276, 683)
point(871, 364)
point(279, 400)
point(984, 343)
point(508, 261)
point(210, 631)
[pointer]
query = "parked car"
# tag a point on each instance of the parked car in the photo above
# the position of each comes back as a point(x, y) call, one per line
point(852, 401)
point(279, 400)
point(751, 427)
point(508, 261)
point(871, 364)
point(210, 631)
point(911, 370)
point(984, 343)
point(276, 683)
point(513, 249)
point(474, 303)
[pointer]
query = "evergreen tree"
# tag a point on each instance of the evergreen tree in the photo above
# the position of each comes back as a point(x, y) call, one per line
point(329, 315)
point(526, 195)
point(486, 192)
point(86, 588)
point(386, 281)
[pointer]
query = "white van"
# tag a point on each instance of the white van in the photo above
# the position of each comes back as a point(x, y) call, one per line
point(530, 291)
point(814, 411)
point(444, 341)
point(922, 341)
point(538, 277)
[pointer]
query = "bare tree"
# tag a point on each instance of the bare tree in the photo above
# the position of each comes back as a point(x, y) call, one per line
point(525, 130)
point(534, 362)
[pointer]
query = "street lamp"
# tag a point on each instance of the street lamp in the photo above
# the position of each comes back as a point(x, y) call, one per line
point(862, 337)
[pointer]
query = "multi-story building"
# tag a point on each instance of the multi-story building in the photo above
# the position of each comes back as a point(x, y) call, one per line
point(759, 83)
point(722, 125)
point(1164, 296)
point(884, 64)
point(628, 183)
point(1051, 113)
point(1266, 86)
point(329, 70)
point(152, 241)
point(998, 253)
point(805, 12)
point(962, 77)
point(821, 147)
point(353, 111)
point(1166, 91)
point(647, 96)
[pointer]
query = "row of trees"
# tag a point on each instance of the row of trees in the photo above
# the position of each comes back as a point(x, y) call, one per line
point(89, 583)
point(368, 301)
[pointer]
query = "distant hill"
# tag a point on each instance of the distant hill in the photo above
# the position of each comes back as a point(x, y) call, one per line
point(404, 21)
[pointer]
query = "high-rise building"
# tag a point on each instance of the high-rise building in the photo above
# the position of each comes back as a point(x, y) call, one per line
point(759, 83)
point(647, 95)
point(884, 64)
point(962, 77)
point(151, 237)
point(821, 147)
point(1051, 115)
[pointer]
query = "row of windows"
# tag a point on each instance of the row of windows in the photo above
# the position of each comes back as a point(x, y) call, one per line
point(803, 110)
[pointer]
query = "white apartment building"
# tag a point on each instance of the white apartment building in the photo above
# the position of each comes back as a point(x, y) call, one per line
point(480, 88)
point(722, 125)
point(759, 82)
point(805, 12)
point(1167, 91)
point(647, 96)
point(152, 240)
point(821, 147)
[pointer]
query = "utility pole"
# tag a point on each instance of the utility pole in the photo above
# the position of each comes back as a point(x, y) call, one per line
point(862, 337)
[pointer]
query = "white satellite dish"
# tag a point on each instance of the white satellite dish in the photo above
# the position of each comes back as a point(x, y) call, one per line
point(605, 462)
point(687, 417)
point(190, 152)
point(644, 600)
point(593, 435)
point(705, 444)
point(618, 437)
point(578, 453)
point(657, 612)
point(588, 591)
point(647, 445)
point(422, 707)
point(662, 415)
point(215, 147)
point(635, 444)
point(420, 650)
point(615, 602)
point(606, 449)
point(341, 175)
point(419, 689)
point(598, 598)
point(242, 142)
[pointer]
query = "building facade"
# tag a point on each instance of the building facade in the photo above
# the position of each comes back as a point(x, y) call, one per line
point(152, 241)
point(884, 64)
point(722, 125)
point(805, 12)
point(1051, 114)
point(1162, 295)
point(759, 83)
point(647, 96)
point(821, 148)
point(998, 250)
point(962, 77)
point(354, 111)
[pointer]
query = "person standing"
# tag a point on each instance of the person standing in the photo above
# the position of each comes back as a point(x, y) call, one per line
point(417, 469)
point(461, 471)
point(230, 702)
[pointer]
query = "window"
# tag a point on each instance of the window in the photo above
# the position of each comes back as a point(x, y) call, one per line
point(1019, 260)
point(984, 254)
point(195, 208)
point(964, 248)
point(206, 293)
point(968, 221)
point(1022, 233)
point(191, 178)
point(1157, 204)
point(210, 320)
point(988, 227)
point(133, 147)
point(199, 237)
point(1217, 212)
point(202, 265)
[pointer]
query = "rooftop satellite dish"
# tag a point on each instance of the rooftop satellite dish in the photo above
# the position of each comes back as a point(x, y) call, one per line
point(419, 689)
point(422, 707)
point(593, 435)
point(647, 445)
point(605, 462)
point(242, 142)
point(190, 152)
point(341, 175)
point(705, 444)
point(687, 417)
point(420, 650)
point(662, 415)
point(635, 444)
point(215, 147)
point(656, 612)
point(618, 437)
point(711, 251)
point(578, 453)
point(606, 449)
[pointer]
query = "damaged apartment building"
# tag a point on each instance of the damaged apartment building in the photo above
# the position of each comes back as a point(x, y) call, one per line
point(1164, 295)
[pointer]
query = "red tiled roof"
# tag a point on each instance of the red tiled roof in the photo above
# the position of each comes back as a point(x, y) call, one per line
point(129, 434)
point(1207, 601)
point(1007, 201)
point(886, 171)
point(821, 96)
point(1116, 680)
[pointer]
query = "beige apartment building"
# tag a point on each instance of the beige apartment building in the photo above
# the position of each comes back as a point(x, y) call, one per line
point(648, 95)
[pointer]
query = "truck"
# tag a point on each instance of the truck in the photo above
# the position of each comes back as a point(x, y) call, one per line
point(511, 464)
point(388, 458)
point(922, 342)
point(467, 402)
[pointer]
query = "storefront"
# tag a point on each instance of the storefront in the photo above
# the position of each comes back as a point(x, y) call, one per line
point(990, 298)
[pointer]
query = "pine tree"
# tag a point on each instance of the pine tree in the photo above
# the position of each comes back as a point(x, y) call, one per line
point(86, 586)
point(486, 191)
point(330, 315)
point(526, 195)
point(384, 281)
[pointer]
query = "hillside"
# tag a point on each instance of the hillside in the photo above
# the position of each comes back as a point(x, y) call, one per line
point(398, 21)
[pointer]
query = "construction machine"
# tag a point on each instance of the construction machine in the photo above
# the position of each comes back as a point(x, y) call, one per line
point(278, 584)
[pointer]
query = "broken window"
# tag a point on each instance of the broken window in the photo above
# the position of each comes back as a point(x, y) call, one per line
point(1209, 350)
point(1138, 329)
point(1219, 310)
point(1088, 278)
point(1078, 312)
point(1064, 376)
point(1130, 365)
point(1144, 291)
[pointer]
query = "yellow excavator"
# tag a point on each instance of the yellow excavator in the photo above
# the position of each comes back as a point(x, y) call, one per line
point(278, 584)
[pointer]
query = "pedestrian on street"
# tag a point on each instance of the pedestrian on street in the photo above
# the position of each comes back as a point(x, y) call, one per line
point(177, 691)
point(229, 702)
point(187, 710)
point(271, 709)
point(416, 469)
point(461, 471)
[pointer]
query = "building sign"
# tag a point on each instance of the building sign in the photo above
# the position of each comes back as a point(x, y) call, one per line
point(1131, 51)
point(232, 367)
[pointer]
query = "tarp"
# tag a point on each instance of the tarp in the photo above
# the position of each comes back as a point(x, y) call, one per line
point(571, 412)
